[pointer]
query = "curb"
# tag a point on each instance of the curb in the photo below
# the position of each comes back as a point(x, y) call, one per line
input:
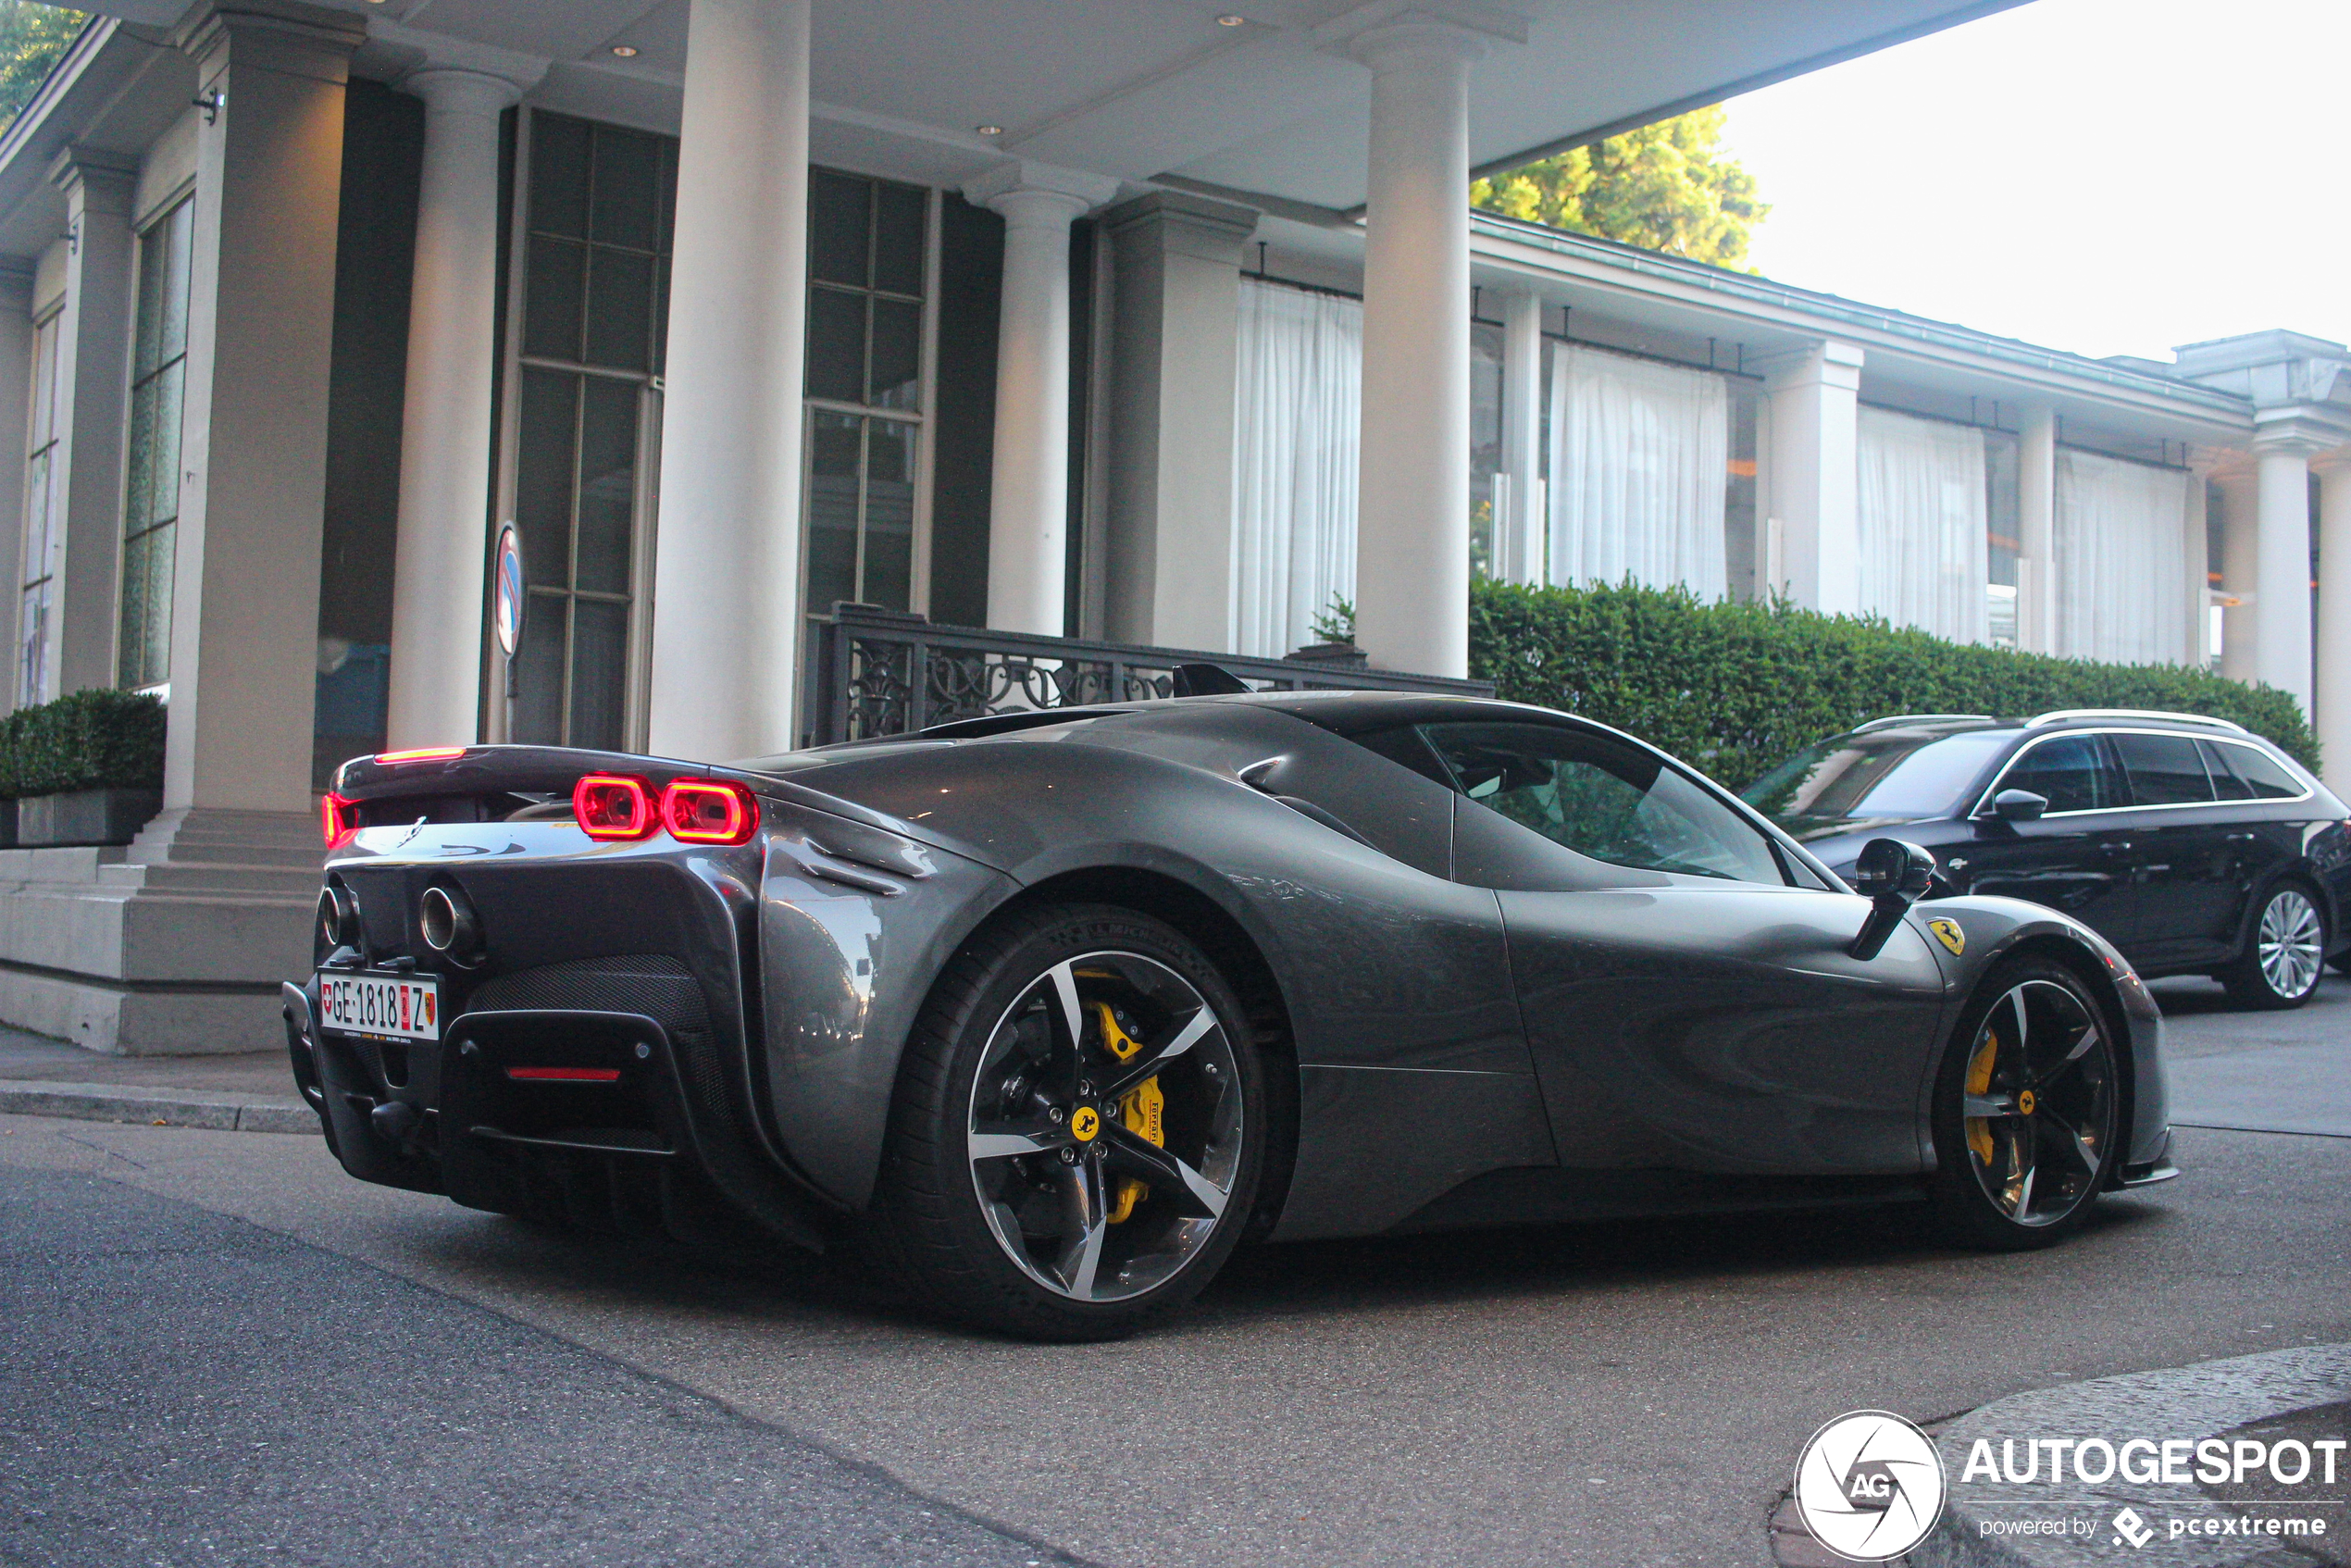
point(161, 1107)
point(2205, 1400)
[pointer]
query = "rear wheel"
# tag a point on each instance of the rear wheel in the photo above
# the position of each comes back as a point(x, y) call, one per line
point(2025, 1109)
point(2284, 953)
point(1076, 1140)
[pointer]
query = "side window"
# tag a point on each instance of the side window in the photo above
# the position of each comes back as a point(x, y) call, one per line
point(2166, 770)
point(2072, 770)
point(1603, 799)
point(2260, 773)
point(2226, 785)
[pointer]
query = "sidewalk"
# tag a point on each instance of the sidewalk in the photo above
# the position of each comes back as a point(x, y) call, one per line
point(251, 1092)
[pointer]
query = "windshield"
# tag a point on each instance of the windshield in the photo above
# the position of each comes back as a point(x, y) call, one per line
point(1888, 774)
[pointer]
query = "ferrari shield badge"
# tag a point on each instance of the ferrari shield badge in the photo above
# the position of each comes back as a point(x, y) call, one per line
point(1947, 932)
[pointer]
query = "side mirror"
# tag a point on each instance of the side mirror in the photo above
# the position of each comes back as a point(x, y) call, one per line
point(1893, 874)
point(2019, 805)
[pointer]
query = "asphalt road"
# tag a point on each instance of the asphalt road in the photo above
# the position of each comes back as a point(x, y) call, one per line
point(1613, 1394)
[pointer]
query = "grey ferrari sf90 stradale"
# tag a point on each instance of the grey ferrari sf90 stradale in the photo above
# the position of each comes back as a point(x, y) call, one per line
point(1042, 1014)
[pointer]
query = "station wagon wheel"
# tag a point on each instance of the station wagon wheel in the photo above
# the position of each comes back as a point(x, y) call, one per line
point(2286, 952)
point(1075, 1147)
point(2027, 1109)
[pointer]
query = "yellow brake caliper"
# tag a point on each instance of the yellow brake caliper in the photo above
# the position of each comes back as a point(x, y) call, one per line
point(1979, 1081)
point(1139, 1108)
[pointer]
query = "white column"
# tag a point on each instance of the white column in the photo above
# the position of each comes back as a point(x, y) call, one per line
point(2331, 714)
point(1028, 485)
point(245, 619)
point(2036, 530)
point(2196, 547)
point(2239, 536)
point(1411, 551)
point(85, 467)
point(1175, 341)
point(444, 447)
point(15, 387)
point(2281, 567)
point(1813, 482)
point(1520, 538)
point(728, 642)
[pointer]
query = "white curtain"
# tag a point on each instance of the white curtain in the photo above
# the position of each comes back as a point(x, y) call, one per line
point(1924, 559)
point(1296, 413)
point(2121, 554)
point(1639, 457)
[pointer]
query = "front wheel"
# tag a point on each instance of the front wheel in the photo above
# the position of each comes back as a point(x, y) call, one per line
point(2284, 954)
point(2025, 1109)
point(1076, 1140)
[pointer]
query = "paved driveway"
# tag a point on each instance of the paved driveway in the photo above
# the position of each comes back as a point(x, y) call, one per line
point(2279, 1072)
point(1595, 1394)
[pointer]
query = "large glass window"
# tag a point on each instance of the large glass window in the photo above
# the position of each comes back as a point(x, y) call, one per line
point(38, 570)
point(151, 499)
point(1602, 798)
point(868, 245)
point(595, 311)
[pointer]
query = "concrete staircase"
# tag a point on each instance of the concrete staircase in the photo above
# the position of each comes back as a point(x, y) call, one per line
point(172, 945)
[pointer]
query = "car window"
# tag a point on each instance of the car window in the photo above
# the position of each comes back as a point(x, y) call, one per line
point(1603, 798)
point(2260, 772)
point(2071, 770)
point(1897, 773)
point(2166, 770)
point(2226, 785)
point(1404, 744)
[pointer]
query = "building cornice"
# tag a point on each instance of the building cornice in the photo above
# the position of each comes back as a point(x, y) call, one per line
point(1834, 316)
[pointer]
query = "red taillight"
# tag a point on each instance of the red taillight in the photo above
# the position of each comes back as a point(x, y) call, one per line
point(564, 1075)
point(422, 753)
point(709, 811)
point(332, 820)
point(615, 805)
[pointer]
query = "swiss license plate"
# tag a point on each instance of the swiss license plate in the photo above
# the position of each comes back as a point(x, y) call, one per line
point(401, 1006)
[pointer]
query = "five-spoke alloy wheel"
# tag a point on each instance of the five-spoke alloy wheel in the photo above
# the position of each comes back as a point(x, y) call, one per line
point(2026, 1110)
point(2286, 952)
point(1075, 1143)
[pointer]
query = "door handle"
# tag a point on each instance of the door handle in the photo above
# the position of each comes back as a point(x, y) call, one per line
point(2243, 838)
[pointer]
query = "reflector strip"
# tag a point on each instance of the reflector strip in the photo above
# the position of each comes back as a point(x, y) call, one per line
point(331, 822)
point(564, 1075)
point(422, 753)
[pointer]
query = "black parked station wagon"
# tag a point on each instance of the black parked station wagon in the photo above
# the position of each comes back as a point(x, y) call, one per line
point(2191, 845)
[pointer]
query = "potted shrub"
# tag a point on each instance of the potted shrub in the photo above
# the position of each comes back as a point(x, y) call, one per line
point(84, 769)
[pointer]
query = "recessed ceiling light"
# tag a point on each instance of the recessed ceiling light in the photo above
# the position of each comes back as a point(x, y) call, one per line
point(1229, 20)
point(625, 51)
point(989, 130)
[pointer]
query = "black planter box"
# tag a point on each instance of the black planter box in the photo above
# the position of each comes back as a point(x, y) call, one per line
point(85, 816)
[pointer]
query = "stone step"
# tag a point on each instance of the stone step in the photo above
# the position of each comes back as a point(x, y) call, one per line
point(308, 858)
point(278, 880)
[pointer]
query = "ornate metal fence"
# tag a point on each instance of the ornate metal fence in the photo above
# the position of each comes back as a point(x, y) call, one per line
point(885, 672)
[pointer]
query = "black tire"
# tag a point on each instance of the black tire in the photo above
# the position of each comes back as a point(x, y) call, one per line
point(2284, 947)
point(969, 1223)
point(2026, 1174)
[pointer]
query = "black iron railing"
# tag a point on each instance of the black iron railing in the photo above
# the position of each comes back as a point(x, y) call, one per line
point(884, 672)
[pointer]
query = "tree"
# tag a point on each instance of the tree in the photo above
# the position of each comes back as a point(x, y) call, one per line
point(32, 37)
point(1667, 187)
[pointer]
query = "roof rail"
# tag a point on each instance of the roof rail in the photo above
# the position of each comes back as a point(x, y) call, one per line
point(1892, 720)
point(2066, 715)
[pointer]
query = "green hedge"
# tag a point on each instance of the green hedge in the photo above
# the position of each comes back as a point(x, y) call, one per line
point(93, 740)
point(1735, 689)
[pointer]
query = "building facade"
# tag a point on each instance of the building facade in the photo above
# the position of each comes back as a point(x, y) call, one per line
point(299, 303)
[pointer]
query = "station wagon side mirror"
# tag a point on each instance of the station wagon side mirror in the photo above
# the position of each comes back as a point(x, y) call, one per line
point(1891, 873)
point(2019, 805)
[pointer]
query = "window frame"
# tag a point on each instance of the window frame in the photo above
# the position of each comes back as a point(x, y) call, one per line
point(1983, 807)
point(922, 417)
point(147, 235)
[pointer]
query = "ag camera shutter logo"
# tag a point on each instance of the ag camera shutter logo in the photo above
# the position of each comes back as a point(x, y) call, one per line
point(1870, 1486)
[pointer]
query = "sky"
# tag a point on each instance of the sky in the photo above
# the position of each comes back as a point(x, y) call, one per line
point(2103, 176)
